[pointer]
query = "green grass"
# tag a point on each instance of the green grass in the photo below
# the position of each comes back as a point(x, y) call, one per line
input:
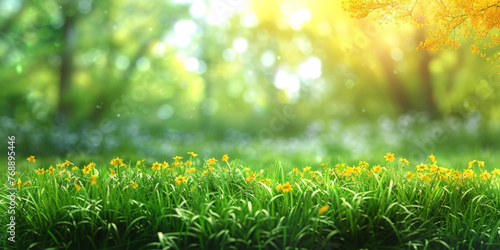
point(222, 210)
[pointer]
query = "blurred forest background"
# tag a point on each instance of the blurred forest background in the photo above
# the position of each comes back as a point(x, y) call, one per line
point(298, 78)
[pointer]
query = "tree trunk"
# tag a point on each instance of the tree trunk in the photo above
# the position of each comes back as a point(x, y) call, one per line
point(66, 69)
point(396, 86)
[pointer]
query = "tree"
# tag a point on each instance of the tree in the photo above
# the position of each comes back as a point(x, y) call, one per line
point(446, 19)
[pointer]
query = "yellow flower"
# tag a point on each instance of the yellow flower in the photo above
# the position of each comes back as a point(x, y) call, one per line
point(496, 171)
point(287, 187)
point(77, 187)
point(425, 177)
point(377, 168)
point(432, 157)
point(205, 172)
point(66, 163)
point(112, 172)
point(246, 169)
point(180, 179)
point(93, 180)
point(325, 164)
point(225, 157)
point(323, 209)
point(469, 173)
point(177, 158)
point(266, 181)
point(364, 163)
point(306, 169)
point(87, 169)
point(410, 175)
point(471, 163)
point(405, 161)
point(421, 167)
point(188, 163)
point(140, 162)
point(211, 161)
point(75, 168)
point(165, 164)
point(211, 169)
point(434, 168)
point(31, 159)
point(40, 171)
point(156, 166)
point(134, 185)
point(116, 162)
point(193, 154)
point(192, 170)
point(480, 163)
point(340, 165)
point(50, 170)
point(60, 165)
point(389, 157)
point(296, 171)
point(485, 175)
point(250, 177)
point(27, 183)
point(123, 165)
point(279, 187)
point(19, 183)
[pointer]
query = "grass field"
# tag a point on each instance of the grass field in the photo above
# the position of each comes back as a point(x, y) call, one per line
point(187, 202)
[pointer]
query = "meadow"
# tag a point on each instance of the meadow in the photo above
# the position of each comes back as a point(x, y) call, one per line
point(187, 202)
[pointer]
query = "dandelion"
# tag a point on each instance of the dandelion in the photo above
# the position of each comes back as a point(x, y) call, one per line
point(323, 209)
point(424, 177)
point(50, 170)
point(468, 173)
point(192, 170)
point(77, 187)
point(405, 161)
point(266, 181)
point(480, 163)
point(433, 158)
point(180, 179)
point(485, 175)
point(410, 175)
point(27, 183)
point(225, 157)
point(421, 167)
point(471, 163)
point(116, 162)
point(192, 154)
point(40, 171)
point(177, 158)
point(250, 177)
point(156, 166)
point(377, 168)
point(364, 163)
point(389, 157)
point(31, 159)
point(93, 180)
point(340, 165)
point(211, 161)
point(134, 185)
point(287, 187)
point(112, 172)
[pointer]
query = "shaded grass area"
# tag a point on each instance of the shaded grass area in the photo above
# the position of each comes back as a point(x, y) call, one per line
point(224, 205)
